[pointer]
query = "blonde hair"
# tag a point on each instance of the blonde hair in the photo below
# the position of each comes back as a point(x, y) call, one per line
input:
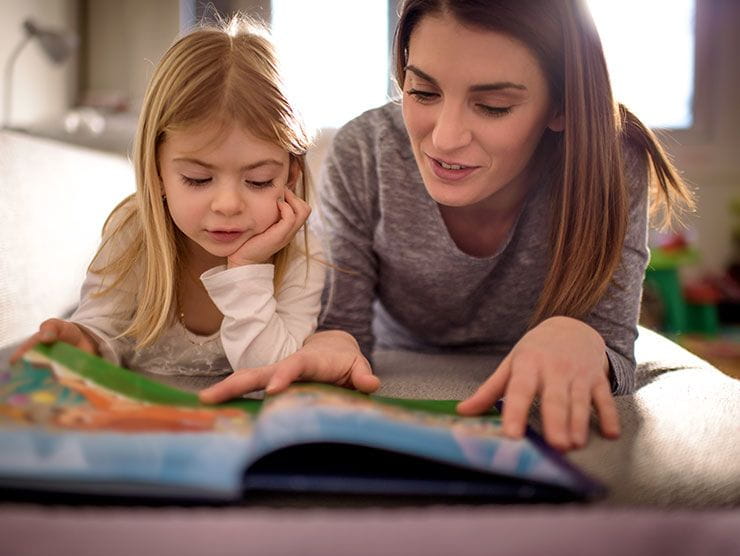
point(590, 205)
point(226, 74)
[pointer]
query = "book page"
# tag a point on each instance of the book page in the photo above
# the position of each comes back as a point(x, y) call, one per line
point(57, 424)
point(428, 429)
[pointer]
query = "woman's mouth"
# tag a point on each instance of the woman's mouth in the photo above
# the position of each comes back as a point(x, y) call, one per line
point(449, 171)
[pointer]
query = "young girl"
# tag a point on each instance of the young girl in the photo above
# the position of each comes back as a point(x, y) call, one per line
point(203, 269)
point(502, 208)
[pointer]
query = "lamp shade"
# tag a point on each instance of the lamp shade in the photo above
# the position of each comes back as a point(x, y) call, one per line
point(57, 45)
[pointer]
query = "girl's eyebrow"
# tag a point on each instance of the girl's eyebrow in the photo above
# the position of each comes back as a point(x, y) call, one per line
point(483, 87)
point(252, 166)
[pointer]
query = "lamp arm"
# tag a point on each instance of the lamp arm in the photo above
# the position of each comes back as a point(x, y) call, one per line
point(8, 80)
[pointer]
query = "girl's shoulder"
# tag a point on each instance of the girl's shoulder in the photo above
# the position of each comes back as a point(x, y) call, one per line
point(121, 231)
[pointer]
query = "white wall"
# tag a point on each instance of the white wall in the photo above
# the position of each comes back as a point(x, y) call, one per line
point(709, 156)
point(54, 199)
point(41, 89)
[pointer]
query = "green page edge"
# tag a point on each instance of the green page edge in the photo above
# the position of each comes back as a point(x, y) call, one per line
point(139, 387)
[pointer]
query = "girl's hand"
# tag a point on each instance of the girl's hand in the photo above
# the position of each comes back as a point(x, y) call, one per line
point(332, 356)
point(259, 248)
point(54, 330)
point(563, 360)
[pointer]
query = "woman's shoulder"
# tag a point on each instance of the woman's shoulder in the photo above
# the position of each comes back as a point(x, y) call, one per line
point(634, 165)
point(384, 123)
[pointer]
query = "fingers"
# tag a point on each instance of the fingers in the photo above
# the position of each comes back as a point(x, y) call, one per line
point(52, 330)
point(294, 212)
point(237, 384)
point(277, 377)
point(487, 393)
point(260, 247)
point(519, 396)
point(606, 409)
point(362, 377)
point(300, 207)
point(555, 411)
point(69, 333)
point(24, 347)
point(286, 373)
point(580, 412)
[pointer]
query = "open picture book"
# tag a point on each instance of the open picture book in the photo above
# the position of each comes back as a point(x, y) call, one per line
point(74, 423)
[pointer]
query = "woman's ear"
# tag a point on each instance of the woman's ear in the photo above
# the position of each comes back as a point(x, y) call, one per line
point(557, 122)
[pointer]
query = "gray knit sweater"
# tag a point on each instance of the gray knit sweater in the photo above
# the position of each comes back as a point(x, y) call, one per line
point(400, 281)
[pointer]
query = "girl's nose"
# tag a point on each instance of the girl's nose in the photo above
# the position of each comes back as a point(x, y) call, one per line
point(227, 199)
point(450, 130)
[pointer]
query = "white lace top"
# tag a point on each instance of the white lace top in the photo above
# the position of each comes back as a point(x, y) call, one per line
point(178, 351)
point(260, 326)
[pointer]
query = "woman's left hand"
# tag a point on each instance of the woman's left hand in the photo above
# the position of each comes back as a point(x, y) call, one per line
point(563, 361)
point(258, 249)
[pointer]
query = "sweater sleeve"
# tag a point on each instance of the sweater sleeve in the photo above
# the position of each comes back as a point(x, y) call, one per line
point(348, 191)
point(615, 315)
point(262, 326)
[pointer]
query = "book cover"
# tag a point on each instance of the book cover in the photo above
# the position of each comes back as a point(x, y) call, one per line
point(74, 423)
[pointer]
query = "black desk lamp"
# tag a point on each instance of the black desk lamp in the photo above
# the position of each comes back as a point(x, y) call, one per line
point(57, 45)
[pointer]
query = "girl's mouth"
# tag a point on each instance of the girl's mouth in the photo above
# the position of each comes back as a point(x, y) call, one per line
point(224, 236)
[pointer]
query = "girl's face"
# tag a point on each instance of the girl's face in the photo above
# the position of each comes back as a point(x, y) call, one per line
point(475, 104)
point(222, 192)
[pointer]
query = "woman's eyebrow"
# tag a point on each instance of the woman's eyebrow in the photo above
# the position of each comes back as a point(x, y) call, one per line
point(483, 87)
point(425, 76)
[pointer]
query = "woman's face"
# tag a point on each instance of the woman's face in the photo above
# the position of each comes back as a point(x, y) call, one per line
point(475, 104)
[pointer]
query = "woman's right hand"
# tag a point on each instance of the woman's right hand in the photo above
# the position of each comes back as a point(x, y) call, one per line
point(53, 330)
point(331, 356)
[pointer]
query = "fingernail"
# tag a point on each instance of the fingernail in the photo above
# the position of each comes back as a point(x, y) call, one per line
point(46, 336)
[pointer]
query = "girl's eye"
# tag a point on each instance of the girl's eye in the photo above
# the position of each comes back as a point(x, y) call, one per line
point(260, 184)
point(422, 96)
point(494, 111)
point(195, 182)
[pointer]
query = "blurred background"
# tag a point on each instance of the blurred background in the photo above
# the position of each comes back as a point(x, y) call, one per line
point(75, 72)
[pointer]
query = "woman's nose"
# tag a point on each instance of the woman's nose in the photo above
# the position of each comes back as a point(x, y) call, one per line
point(450, 130)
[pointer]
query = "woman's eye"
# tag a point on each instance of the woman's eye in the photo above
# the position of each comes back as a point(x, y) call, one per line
point(422, 96)
point(495, 111)
point(195, 182)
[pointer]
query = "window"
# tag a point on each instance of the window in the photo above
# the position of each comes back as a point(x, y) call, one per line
point(337, 69)
point(649, 47)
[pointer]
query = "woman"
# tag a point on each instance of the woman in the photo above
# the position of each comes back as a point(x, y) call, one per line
point(502, 207)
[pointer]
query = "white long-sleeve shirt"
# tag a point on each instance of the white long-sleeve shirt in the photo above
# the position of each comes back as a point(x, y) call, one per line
point(260, 325)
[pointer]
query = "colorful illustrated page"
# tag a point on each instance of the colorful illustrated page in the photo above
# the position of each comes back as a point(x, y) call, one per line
point(432, 430)
point(57, 426)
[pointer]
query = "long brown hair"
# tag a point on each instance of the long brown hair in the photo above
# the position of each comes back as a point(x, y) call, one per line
point(223, 74)
point(590, 204)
